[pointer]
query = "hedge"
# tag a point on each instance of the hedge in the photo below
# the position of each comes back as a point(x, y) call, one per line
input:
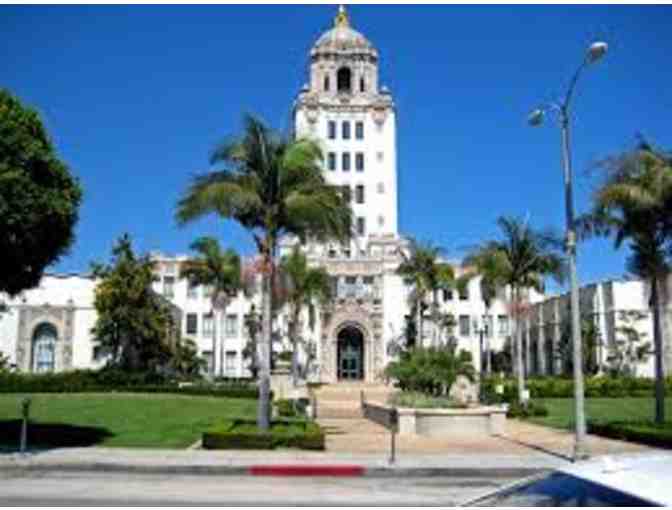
point(244, 435)
point(104, 381)
point(639, 432)
point(557, 387)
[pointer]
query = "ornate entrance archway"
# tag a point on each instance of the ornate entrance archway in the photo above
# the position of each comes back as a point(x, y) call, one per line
point(350, 354)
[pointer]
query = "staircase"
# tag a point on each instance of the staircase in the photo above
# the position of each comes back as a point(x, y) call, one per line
point(343, 400)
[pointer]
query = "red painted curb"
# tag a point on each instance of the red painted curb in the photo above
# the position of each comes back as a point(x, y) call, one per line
point(306, 470)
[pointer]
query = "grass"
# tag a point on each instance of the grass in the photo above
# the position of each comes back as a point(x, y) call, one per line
point(600, 410)
point(122, 419)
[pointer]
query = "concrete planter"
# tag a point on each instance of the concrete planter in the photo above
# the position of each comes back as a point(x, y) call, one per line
point(490, 421)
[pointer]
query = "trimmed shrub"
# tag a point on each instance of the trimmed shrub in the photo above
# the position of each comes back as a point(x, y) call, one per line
point(639, 432)
point(419, 400)
point(285, 408)
point(532, 408)
point(244, 435)
point(103, 381)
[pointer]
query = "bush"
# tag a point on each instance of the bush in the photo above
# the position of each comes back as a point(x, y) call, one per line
point(639, 432)
point(244, 435)
point(107, 380)
point(418, 400)
point(532, 408)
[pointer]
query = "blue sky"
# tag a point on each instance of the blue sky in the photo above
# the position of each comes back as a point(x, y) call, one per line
point(136, 96)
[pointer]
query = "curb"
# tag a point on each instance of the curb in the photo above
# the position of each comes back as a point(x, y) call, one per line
point(283, 470)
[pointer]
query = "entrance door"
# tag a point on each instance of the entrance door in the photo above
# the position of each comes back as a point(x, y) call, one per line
point(350, 354)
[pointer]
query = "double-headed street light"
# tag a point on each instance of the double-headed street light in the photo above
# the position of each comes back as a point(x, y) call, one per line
point(595, 52)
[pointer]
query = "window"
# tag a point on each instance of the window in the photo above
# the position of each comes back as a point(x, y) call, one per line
point(503, 321)
point(464, 325)
point(347, 193)
point(44, 348)
point(208, 324)
point(169, 286)
point(361, 226)
point(230, 363)
point(331, 130)
point(192, 291)
point(98, 353)
point(345, 130)
point(231, 326)
point(331, 161)
point(326, 84)
point(381, 220)
point(207, 291)
point(464, 294)
point(345, 163)
point(447, 295)
point(359, 194)
point(487, 322)
point(359, 130)
point(381, 188)
point(343, 80)
point(359, 161)
point(362, 85)
point(209, 361)
point(192, 324)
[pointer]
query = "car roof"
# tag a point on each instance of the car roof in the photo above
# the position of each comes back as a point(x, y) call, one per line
point(646, 476)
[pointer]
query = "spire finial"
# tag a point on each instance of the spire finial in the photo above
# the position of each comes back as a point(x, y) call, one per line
point(341, 19)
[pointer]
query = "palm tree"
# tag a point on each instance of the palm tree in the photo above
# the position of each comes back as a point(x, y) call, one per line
point(220, 271)
point(422, 269)
point(521, 259)
point(303, 286)
point(490, 266)
point(634, 204)
point(273, 186)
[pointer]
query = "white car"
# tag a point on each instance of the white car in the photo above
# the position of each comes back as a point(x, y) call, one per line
point(632, 480)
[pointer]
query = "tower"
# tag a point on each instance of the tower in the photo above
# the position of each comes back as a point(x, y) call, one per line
point(345, 108)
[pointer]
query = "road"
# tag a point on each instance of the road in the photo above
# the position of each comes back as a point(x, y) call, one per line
point(121, 489)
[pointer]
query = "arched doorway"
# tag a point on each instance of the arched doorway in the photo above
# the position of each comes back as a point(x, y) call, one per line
point(350, 354)
point(44, 348)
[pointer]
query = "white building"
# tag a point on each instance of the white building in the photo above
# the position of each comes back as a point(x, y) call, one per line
point(344, 106)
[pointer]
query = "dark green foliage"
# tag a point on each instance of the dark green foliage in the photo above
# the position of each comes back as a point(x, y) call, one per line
point(185, 361)
point(134, 324)
point(290, 408)
point(528, 410)
point(557, 387)
point(4, 363)
point(645, 432)
point(590, 338)
point(430, 370)
point(100, 381)
point(39, 198)
point(245, 435)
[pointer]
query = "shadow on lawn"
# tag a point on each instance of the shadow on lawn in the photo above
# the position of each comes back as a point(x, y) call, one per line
point(50, 435)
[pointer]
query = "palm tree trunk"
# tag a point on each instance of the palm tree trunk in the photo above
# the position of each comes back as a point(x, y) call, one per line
point(264, 346)
point(520, 371)
point(488, 351)
point(293, 327)
point(658, 346)
point(214, 344)
point(420, 324)
point(435, 319)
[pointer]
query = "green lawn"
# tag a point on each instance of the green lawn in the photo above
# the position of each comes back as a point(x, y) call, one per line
point(561, 410)
point(119, 419)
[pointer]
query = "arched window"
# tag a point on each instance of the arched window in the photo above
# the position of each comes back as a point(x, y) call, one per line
point(44, 348)
point(344, 78)
point(362, 85)
point(326, 84)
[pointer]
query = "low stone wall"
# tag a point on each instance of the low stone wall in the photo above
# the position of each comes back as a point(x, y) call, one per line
point(490, 421)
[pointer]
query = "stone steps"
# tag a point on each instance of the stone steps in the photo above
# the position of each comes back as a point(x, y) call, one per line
point(344, 400)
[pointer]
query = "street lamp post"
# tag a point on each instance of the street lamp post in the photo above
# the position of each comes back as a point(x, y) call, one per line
point(595, 52)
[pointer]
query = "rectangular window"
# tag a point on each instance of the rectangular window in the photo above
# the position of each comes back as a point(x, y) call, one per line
point(503, 321)
point(359, 131)
point(192, 324)
point(487, 321)
point(331, 130)
point(359, 161)
point(361, 226)
point(464, 325)
point(169, 286)
point(192, 291)
point(447, 295)
point(231, 326)
point(345, 163)
point(359, 194)
point(464, 294)
point(331, 161)
point(230, 364)
point(345, 130)
point(208, 324)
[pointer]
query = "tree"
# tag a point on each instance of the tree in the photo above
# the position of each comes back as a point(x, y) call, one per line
point(629, 347)
point(134, 325)
point(273, 186)
point(524, 258)
point(304, 287)
point(4, 363)
point(39, 198)
point(590, 338)
point(634, 204)
point(185, 360)
point(220, 271)
point(422, 269)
